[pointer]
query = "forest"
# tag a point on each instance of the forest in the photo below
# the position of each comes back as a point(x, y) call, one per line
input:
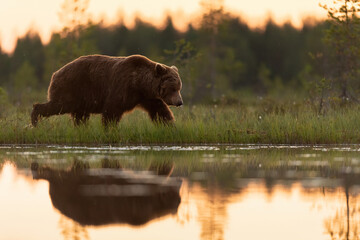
point(221, 59)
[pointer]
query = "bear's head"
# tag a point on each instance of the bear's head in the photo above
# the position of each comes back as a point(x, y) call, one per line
point(170, 84)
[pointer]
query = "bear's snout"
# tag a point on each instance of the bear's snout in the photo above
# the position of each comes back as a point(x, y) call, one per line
point(179, 103)
point(178, 100)
point(174, 100)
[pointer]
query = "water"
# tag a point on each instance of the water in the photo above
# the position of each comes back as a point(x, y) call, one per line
point(180, 192)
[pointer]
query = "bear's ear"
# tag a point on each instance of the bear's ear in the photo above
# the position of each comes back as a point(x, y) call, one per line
point(175, 68)
point(160, 69)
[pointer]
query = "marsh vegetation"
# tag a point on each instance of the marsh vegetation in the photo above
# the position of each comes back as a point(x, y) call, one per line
point(262, 121)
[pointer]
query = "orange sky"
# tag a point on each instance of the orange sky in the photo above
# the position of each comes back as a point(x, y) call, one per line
point(18, 16)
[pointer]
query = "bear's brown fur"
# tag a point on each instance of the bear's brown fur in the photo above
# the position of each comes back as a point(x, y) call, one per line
point(111, 86)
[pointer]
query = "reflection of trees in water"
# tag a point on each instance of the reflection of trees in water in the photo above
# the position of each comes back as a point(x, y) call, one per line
point(345, 224)
point(72, 230)
point(217, 188)
point(212, 214)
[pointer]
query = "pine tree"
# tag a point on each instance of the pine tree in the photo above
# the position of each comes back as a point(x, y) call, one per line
point(343, 38)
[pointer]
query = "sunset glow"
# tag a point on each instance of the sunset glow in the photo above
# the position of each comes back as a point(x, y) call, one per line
point(19, 16)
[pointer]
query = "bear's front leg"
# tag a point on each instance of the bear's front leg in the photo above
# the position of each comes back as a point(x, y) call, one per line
point(158, 111)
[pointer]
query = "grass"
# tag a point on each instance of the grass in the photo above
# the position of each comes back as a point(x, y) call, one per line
point(239, 161)
point(260, 123)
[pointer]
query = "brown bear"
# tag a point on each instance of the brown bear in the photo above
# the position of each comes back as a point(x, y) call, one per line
point(111, 86)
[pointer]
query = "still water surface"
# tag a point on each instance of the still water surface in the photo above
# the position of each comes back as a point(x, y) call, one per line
point(182, 192)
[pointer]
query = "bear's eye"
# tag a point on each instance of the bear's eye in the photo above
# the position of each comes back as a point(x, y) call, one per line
point(168, 80)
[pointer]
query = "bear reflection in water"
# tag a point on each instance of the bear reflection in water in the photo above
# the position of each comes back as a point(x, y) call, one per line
point(111, 196)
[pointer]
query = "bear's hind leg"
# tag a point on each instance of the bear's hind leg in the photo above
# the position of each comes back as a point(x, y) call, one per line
point(158, 111)
point(45, 110)
point(110, 118)
point(80, 118)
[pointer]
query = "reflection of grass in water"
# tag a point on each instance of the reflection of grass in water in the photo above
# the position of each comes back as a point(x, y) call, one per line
point(200, 125)
point(222, 162)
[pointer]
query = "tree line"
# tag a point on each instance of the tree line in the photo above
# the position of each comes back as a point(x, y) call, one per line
point(219, 58)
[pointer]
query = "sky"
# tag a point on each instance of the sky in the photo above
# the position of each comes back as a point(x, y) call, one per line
point(42, 16)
